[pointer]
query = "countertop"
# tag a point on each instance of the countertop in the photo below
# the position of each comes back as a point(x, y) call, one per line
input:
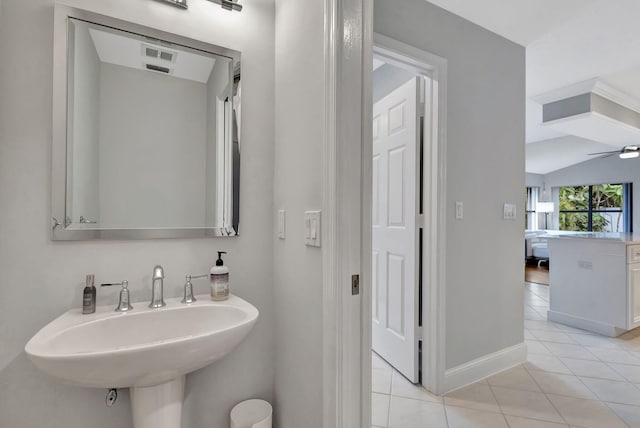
point(624, 238)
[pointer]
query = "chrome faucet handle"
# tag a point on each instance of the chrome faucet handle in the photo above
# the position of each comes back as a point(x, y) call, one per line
point(123, 301)
point(158, 272)
point(188, 288)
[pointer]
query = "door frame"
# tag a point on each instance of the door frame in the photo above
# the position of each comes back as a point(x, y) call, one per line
point(434, 203)
point(346, 229)
point(348, 39)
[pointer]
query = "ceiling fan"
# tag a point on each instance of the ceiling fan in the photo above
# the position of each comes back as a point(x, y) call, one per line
point(627, 152)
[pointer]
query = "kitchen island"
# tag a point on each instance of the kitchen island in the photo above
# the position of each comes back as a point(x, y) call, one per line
point(594, 281)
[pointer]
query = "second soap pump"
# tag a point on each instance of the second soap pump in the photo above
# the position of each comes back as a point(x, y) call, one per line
point(219, 278)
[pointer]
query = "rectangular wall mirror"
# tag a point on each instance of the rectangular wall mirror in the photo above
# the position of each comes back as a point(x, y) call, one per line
point(146, 137)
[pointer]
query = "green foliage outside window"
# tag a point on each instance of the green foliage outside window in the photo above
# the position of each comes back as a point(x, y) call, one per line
point(577, 203)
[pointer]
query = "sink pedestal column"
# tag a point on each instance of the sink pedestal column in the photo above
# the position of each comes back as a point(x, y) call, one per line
point(158, 406)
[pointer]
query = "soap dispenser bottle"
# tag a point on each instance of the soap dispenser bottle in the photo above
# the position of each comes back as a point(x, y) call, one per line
point(89, 296)
point(219, 277)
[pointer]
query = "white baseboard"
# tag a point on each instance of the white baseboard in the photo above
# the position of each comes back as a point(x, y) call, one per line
point(584, 324)
point(483, 367)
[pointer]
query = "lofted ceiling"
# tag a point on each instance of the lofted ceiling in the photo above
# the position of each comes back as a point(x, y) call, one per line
point(566, 42)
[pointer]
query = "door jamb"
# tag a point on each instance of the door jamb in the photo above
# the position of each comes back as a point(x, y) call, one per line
point(348, 37)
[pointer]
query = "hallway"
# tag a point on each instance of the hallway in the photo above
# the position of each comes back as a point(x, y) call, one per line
point(572, 378)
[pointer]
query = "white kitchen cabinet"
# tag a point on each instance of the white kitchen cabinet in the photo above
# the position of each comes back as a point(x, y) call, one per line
point(633, 281)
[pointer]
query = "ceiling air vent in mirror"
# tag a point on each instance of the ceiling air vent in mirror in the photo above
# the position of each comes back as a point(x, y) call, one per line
point(158, 68)
point(158, 53)
point(166, 56)
point(151, 52)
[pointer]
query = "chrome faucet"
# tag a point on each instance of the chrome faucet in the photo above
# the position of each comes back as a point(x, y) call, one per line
point(157, 288)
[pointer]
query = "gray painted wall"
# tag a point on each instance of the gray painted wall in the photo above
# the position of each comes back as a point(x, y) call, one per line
point(40, 279)
point(298, 187)
point(168, 159)
point(611, 169)
point(485, 161)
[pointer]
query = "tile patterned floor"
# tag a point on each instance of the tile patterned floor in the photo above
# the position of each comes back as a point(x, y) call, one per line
point(572, 378)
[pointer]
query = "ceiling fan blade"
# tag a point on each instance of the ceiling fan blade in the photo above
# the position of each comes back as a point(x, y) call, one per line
point(604, 153)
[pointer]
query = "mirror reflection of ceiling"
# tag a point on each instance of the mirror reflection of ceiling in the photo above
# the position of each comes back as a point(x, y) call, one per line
point(567, 42)
point(134, 53)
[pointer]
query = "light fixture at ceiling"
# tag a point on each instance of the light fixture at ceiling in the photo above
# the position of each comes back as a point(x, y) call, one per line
point(178, 3)
point(629, 152)
point(231, 5)
point(228, 4)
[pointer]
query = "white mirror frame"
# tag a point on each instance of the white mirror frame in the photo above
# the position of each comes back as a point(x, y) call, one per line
point(62, 13)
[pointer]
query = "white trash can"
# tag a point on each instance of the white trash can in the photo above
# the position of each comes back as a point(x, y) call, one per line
point(251, 414)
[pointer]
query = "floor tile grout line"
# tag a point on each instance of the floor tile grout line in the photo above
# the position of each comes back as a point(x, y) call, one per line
point(461, 406)
point(554, 393)
point(573, 357)
point(446, 415)
point(607, 380)
point(546, 396)
point(606, 403)
point(389, 411)
point(620, 374)
point(495, 397)
point(608, 364)
point(446, 406)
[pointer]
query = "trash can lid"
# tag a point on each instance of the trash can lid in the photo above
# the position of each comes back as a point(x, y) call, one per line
point(251, 411)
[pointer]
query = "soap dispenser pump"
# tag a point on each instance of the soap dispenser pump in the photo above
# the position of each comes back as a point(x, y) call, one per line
point(219, 277)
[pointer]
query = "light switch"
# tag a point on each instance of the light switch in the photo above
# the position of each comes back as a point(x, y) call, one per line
point(459, 208)
point(282, 218)
point(312, 228)
point(509, 212)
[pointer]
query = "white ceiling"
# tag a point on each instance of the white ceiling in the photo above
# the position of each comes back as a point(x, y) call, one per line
point(521, 21)
point(567, 151)
point(128, 52)
point(567, 41)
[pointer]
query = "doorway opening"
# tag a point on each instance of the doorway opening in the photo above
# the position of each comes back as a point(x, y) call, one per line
point(407, 230)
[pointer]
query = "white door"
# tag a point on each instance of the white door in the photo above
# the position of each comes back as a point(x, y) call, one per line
point(395, 234)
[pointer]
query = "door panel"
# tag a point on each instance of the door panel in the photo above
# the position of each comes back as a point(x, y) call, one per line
point(395, 294)
point(396, 188)
point(395, 246)
point(375, 266)
point(375, 198)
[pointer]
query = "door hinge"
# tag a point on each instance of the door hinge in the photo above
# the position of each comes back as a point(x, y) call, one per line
point(355, 285)
point(420, 221)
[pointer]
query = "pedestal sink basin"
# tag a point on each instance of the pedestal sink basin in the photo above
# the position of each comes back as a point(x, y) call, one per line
point(147, 350)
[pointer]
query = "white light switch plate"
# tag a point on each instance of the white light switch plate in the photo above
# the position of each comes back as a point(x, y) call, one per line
point(459, 210)
point(282, 218)
point(312, 228)
point(509, 212)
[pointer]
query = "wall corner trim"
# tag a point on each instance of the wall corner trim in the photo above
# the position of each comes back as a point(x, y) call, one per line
point(483, 367)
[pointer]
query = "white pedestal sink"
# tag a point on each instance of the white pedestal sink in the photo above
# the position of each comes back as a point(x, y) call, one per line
point(147, 350)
